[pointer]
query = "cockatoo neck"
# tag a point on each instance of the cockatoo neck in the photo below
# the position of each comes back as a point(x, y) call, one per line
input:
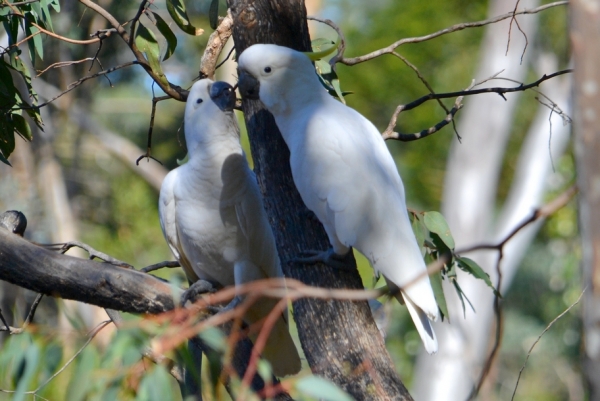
point(212, 139)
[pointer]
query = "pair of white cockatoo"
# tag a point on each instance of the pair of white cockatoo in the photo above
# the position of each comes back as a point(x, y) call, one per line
point(212, 213)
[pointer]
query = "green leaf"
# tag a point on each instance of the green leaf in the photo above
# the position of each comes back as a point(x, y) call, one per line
point(80, 382)
point(184, 160)
point(17, 65)
point(46, 16)
point(214, 338)
point(417, 228)
point(155, 385)
point(22, 127)
point(11, 25)
point(4, 160)
point(471, 267)
point(7, 87)
point(329, 79)
point(436, 223)
point(177, 11)
point(31, 361)
point(147, 43)
point(213, 14)
point(462, 297)
point(321, 388)
point(320, 44)
point(7, 135)
point(438, 291)
point(164, 29)
point(35, 42)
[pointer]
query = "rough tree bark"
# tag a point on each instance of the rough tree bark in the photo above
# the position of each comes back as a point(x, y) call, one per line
point(585, 33)
point(339, 338)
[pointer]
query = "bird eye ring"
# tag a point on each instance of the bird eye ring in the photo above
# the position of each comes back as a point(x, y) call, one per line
point(199, 101)
point(267, 69)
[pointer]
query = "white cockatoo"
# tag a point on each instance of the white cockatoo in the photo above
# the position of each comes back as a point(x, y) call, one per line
point(344, 173)
point(212, 214)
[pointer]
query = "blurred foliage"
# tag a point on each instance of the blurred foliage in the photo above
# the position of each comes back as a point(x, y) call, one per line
point(117, 211)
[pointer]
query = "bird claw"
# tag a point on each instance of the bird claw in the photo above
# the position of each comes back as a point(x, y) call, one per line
point(195, 290)
point(328, 257)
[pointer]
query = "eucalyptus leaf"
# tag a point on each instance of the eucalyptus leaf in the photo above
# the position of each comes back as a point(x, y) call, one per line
point(30, 364)
point(147, 43)
point(471, 267)
point(7, 135)
point(321, 388)
point(436, 223)
point(166, 31)
point(35, 42)
point(214, 338)
point(417, 228)
point(177, 11)
point(438, 293)
point(22, 127)
point(213, 14)
point(462, 297)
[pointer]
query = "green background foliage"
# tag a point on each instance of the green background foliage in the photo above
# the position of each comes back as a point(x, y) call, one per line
point(116, 210)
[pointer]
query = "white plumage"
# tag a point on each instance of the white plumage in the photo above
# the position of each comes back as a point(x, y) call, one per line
point(343, 171)
point(212, 214)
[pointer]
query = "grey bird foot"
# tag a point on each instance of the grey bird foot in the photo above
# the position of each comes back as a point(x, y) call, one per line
point(198, 288)
point(328, 257)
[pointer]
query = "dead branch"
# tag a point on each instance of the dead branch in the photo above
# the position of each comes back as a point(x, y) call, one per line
point(390, 134)
point(216, 43)
point(454, 28)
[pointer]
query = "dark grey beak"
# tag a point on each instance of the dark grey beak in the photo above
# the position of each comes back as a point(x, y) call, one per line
point(248, 85)
point(223, 95)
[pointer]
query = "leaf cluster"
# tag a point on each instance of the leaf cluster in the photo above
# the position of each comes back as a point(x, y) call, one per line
point(436, 241)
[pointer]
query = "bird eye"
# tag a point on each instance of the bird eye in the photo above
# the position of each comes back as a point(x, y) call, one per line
point(199, 101)
point(267, 69)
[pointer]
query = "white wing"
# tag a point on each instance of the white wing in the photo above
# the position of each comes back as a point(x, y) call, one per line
point(168, 223)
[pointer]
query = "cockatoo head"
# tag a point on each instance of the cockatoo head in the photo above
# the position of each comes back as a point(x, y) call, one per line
point(208, 109)
point(276, 75)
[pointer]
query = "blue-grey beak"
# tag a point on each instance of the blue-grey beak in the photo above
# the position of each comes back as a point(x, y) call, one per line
point(223, 95)
point(248, 85)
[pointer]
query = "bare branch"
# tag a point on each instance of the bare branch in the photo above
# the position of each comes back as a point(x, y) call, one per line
point(216, 42)
point(458, 27)
point(61, 64)
point(419, 135)
point(540, 337)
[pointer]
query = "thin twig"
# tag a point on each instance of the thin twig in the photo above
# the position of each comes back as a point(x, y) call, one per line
point(148, 155)
point(557, 203)
point(63, 247)
point(157, 266)
point(540, 337)
point(61, 64)
point(91, 336)
point(549, 208)
point(80, 81)
point(458, 27)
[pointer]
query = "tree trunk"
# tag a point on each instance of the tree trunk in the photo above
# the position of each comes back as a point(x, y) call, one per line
point(585, 33)
point(339, 338)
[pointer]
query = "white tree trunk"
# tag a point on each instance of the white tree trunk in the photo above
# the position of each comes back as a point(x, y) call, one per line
point(469, 205)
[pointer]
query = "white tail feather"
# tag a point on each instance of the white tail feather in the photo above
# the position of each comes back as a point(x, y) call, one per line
point(422, 324)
